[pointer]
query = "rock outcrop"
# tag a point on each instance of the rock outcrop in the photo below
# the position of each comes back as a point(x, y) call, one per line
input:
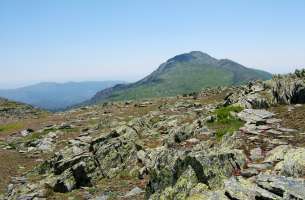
point(282, 89)
point(174, 174)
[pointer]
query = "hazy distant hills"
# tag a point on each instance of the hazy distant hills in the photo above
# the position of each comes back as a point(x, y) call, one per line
point(56, 96)
point(185, 73)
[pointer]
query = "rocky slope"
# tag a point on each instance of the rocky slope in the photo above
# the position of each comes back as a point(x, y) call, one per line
point(243, 143)
point(185, 73)
point(13, 111)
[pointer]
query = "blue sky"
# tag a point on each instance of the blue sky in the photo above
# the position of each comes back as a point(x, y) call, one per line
point(74, 40)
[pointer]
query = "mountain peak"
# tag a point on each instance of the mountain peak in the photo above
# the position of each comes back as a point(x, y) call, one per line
point(199, 54)
point(184, 73)
point(193, 56)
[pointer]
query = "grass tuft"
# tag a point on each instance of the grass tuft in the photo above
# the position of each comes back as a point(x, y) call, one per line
point(11, 127)
point(225, 122)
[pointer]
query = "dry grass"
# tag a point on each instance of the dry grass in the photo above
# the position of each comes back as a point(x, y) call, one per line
point(214, 98)
point(35, 124)
point(293, 119)
point(120, 185)
point(13, 164)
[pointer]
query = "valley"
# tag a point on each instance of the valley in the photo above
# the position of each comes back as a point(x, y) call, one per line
point(54, 96)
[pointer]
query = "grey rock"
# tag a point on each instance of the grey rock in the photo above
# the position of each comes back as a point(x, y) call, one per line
point(45, 144)
point(209, 195)
point(242, 189)
point(256, 154)
point(26, 197)
point(25, 132)
point(287, 130)
point(180, 134)
point(260, 166)
point(65, 126)
point(141, 155)
point(101, 197)
point(273, 121)
point(115, 150)
point(247, 173)
point(255, 116)
point(288, 188)
point(275, 132)
point(277, 154)
point(135, 191)
point(192, 141)
point(278, 142)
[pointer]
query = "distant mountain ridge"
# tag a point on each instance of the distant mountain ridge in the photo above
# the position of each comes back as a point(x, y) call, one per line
point(56, 96)
point(185, 73)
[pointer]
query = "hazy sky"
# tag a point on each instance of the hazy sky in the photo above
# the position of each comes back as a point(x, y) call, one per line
point(64, 40)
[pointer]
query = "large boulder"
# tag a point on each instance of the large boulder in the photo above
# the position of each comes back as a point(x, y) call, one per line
point(172, 168)
point(294, 163)
point(115, 151)
point(289, 89)
point(182, 187)
point(290, 161)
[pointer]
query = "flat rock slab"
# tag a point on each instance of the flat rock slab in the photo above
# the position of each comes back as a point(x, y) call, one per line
point(287, 187)
point(255, 115)
point(238, 188)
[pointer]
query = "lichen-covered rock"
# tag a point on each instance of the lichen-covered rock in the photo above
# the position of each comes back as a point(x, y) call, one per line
point(294, 163)
point(114, 151)
point(209, 195)
point(199, 189)
point(277, 154)
point(181, 189)
point(184, 132)
point(208, 168)
point(85, 160)
point(241, 189)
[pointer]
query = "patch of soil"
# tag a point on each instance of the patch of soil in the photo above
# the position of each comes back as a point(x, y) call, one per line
point(13, 164)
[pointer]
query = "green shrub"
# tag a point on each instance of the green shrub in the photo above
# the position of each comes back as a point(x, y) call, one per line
point(223, 114)
point(225, 123)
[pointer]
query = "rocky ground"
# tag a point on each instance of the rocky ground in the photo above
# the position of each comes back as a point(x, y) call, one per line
point(233, 143)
